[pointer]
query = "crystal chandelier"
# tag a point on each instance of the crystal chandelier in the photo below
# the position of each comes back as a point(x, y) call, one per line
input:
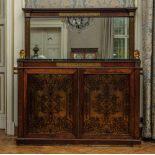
point(79, 23)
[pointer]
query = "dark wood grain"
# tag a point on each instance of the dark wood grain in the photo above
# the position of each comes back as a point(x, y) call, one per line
point(54, 12)
point(20, 101)
point(27, 37)
point(131, 36)
point(94, 91)
point(47, 141)
point(106, 103)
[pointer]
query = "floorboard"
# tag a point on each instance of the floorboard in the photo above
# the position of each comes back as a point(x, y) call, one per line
point(8, 145)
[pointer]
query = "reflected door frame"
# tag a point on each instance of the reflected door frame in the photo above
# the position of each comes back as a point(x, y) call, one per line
point(57, 23)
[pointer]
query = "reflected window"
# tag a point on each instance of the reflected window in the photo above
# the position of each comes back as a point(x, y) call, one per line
point(121, 38)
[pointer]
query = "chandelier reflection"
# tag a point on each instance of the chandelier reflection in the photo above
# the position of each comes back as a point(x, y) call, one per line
point(79, 23)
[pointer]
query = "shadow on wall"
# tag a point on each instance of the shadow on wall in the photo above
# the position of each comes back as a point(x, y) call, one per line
point(78, 3)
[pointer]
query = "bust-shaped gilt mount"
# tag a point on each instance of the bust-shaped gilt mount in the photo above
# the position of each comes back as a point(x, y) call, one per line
point(137, 54)
point(22, 54)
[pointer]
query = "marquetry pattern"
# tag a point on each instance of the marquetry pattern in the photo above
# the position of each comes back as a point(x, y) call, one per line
point(50, 103)
point(106, 104)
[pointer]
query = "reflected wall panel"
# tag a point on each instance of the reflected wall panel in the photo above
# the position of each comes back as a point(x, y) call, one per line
point(2, 101)
point(1, 8)
point(2, 66)
point(2, 92)
point(1, 46)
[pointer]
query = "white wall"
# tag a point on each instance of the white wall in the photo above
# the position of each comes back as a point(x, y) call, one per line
point(18, 28)
point(9, 65)
point(2, 66)
point(18, 45)
point(138, 44)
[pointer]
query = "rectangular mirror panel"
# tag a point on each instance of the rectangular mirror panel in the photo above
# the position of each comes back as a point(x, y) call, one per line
point(80, 38)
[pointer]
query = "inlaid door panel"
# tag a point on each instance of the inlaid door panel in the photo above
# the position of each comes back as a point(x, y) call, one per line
point(51, 102)
point(105, 104)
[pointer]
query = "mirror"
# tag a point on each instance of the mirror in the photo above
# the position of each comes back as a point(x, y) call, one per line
point(79, 38)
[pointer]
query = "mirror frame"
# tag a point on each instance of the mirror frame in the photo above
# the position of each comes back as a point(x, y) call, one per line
point(82, 12)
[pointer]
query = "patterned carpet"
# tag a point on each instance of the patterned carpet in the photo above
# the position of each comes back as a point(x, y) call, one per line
point(8, 145)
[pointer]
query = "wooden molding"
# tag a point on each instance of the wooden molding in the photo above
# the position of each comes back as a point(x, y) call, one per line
point(97, 12)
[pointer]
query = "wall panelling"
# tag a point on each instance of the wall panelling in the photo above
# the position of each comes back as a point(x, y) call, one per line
point(2, 91)
point(2, 66)
point(1, 8)
point(2, 46)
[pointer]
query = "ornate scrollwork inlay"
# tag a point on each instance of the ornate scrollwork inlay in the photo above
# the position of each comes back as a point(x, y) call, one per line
point(106, 104)
point(50, 103)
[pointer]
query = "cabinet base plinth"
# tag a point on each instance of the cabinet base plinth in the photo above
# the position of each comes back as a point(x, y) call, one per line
point(37, 141)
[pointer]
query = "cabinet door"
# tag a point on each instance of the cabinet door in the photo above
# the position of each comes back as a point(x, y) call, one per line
point(51, 103)
point(107, 103)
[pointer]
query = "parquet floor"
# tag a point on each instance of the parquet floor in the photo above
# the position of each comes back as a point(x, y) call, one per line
point(8, 145)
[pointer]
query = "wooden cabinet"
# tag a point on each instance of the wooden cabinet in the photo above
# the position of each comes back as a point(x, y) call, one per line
point(72, 101)
point(51, 103)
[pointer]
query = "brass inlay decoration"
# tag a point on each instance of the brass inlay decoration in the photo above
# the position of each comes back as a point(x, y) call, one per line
point(22, 54)
point(78, 64)
point(79, 14)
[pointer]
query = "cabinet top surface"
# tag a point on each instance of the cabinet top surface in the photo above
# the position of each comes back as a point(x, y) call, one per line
point(78, 60)
point(80, 9)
